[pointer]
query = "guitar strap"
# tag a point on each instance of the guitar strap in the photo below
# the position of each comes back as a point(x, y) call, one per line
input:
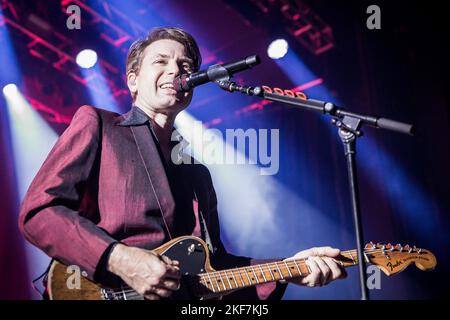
point(204, 227)
point(44, 295)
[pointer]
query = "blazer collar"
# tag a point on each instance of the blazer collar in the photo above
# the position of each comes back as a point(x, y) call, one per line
point(134, 117)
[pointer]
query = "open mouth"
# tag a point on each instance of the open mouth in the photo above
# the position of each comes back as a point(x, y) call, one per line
point(168, 88)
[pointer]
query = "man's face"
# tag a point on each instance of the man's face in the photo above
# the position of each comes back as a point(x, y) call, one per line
point(163, 61)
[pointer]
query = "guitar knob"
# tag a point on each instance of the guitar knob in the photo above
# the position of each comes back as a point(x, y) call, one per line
point(420, 250)
point(191, 249)
point(400, 248)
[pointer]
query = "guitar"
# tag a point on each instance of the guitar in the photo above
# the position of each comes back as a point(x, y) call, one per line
point(201, 281)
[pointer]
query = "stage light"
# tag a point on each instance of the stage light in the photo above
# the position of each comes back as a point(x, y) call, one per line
point(31, 140)
point(278, 49)
point(95, 77)
point(10, 89)
point(86, 58)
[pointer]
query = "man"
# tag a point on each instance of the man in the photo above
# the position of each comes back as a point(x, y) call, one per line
point(108, 189)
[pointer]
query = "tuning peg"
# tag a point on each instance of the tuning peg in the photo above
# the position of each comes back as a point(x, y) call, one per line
point(370, 245)
point(420, 250)
point(408, 248)
point(399, 246)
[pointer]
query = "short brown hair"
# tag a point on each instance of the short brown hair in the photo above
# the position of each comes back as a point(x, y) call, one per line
point(136, 51)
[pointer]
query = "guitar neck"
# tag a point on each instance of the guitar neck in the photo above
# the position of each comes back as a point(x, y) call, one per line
point(231, 279)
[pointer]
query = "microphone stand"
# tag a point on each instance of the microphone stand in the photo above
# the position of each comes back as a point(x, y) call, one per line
point(348, 125)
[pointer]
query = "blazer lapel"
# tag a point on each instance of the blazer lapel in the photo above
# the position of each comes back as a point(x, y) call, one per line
point(156, 174)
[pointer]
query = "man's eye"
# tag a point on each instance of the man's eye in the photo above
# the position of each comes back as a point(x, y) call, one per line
point(160, 61)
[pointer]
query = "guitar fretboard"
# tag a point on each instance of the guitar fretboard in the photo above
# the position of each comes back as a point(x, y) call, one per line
point(231, 279)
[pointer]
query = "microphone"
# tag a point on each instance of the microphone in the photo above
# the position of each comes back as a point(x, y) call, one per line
point(186, 82)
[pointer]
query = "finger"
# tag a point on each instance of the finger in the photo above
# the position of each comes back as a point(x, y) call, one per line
point(175, 263)
point(166, 259)
point(326, 251)
point(173, 272)
point(312, 279)
point(170, 284)
point(325, 271)
point(170, 262)
point(302, 254)
point(342, 268)
point(151, 296)
point(336, 270)
point(316, 251)
point(163, 293)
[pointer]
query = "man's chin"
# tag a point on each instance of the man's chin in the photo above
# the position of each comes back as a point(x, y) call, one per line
point(171, 105)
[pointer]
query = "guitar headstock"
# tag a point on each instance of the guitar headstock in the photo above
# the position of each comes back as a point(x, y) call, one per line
point(394, 259)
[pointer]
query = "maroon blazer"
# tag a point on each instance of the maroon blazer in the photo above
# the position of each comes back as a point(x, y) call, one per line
point(104, 182)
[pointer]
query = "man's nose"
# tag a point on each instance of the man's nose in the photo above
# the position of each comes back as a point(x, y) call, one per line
point(173, 68)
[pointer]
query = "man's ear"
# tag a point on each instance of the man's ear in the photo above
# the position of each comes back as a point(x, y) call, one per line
point(132, 82)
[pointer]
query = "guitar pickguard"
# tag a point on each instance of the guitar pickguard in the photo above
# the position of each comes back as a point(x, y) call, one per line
point(192, 256)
